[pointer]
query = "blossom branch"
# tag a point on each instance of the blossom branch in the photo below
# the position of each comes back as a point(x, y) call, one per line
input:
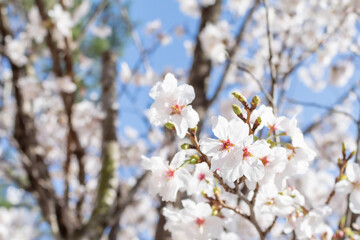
point(262, 88)
point(68, 99)
point(251, 204)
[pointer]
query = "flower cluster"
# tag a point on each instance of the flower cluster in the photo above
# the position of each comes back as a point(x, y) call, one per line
point(172, 105)
point(245, 172)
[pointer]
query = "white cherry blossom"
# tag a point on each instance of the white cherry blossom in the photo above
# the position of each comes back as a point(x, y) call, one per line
point(167, 180)
point(194, 221)
point(172, 105)
point(351, 185)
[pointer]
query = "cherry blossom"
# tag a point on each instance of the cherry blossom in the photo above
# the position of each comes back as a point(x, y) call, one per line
point(351, 185)
point(62, 20)
point(194, 221)
point(172, 105)
point(35, 29)
point(167, 180)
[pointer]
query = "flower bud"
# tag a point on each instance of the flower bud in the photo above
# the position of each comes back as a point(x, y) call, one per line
point(339, 234)
point(343, 147)
point(236, 109)
point(185, 146)
point(352, 154)
point(258, 121)
point(342, 221)
point(256, 124)
point(194, 159)
point(240, 98)
point(254, 102)
point(170, 126)
point(348, 232)
point(217, 191)
point(343, 177)
point(193, 130)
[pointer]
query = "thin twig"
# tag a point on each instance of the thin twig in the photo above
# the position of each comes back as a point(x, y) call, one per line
point(232, 51)
point(274, 82)
point(92, 19)
point(262, 88)
point(316, 105)
point(341, 99)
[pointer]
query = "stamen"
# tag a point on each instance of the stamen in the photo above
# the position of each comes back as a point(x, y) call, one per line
point(176, 109)
point(226, 145)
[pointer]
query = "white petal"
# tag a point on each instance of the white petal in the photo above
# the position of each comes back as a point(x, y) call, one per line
point(191, 116)
point(170, 83)
point(187, 94)
point(343, 186)
point(155, 90)
point(180, 124)
point(256, 171)
point(259, 149)
point(177, 160)
point(355, 201)
point(203, 210)
point(238, 131)
point(210, 146)
point(220, 125)
point(352, 172)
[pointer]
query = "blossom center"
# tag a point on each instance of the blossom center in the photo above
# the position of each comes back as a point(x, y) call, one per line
point(201, 176)
point(226, 145)
point(246, 153)
point(200, 221)
point(176, 109)
point(272, 128)
point(270, 202)
point(170, 173)
point(265, 160)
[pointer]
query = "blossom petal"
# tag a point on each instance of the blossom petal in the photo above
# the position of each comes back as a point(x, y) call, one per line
point(352, 172)
point(187, 94)
point(220, 125)
point(170, 83)
point(355, 201)
point(191, 116)
point(343, 186)
point(180, 124)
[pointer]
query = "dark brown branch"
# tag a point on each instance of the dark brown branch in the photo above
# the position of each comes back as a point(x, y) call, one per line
point(110, 152)
point(33, 162)
point(68, 99)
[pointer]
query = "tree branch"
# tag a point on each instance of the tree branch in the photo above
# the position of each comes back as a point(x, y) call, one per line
point(106, 193)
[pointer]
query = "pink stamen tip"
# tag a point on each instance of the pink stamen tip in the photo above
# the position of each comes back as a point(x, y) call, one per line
point(176, 109)
point(201, 176)
point(200, 221)
point(264, 160)
point(246, 153)
point(226, 145)
point(170, 173)
point(272, 128)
